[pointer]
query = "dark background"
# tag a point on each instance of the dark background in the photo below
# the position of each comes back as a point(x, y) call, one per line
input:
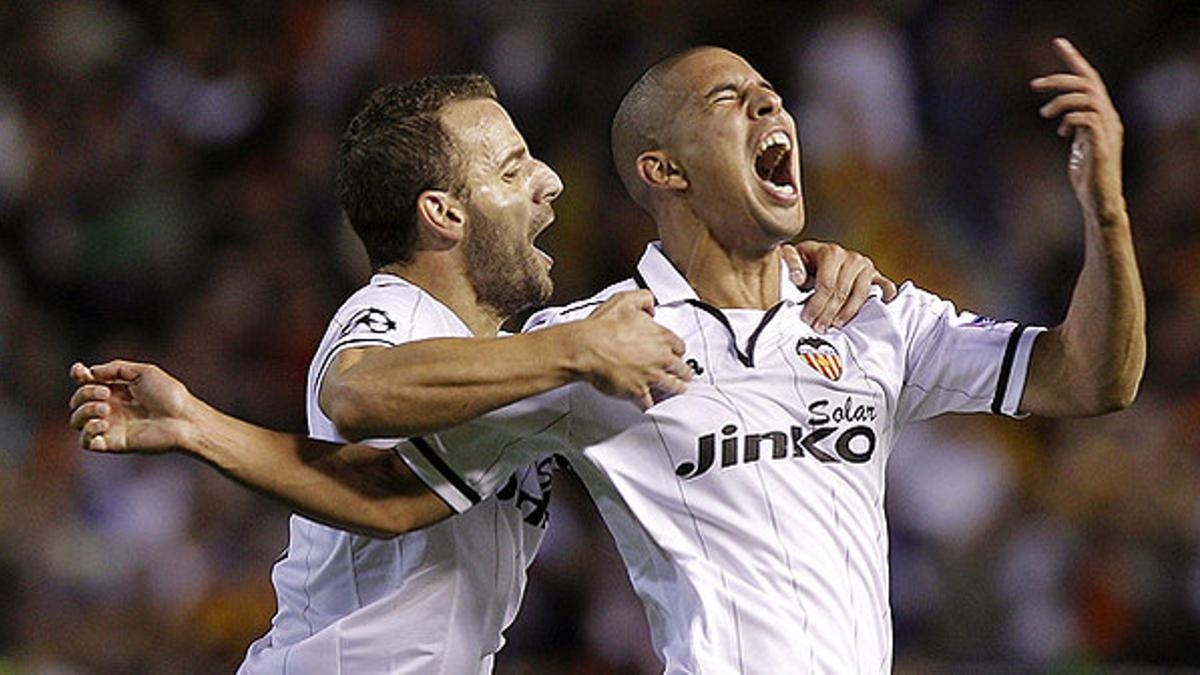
point(166, 194)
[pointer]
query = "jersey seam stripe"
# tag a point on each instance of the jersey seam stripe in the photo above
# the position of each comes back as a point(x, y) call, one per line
point(1010, 352)
point(737, 624)
point(800, 395)
point(522, 439)
point(938, 387)
point(443, 468)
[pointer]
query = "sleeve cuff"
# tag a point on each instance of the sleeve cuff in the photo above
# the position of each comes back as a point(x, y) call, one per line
point(1014, 371)
point(422, 457)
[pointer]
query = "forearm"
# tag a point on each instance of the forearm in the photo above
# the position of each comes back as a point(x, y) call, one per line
point(353, 487)
point(1093, 362)
point(421, 387)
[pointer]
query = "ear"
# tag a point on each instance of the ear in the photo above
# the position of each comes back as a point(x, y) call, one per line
point(658, 171)
point(441, 218)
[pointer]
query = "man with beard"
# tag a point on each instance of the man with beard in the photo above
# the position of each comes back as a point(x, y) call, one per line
point(748, 508)
point(457, 264)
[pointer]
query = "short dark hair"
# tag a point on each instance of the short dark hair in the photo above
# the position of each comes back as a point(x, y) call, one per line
point(643, 120)
point(394, 149)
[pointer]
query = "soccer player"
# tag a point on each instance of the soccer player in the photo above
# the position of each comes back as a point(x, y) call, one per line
point(458, 265)
point(749, 507)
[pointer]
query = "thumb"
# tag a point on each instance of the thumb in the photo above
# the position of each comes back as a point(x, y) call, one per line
point(792, 258)
point(81, 373)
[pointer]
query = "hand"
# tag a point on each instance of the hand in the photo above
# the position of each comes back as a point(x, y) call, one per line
point(629, 355)
point(122, 406)
point(1088, 114)
point(842, 281)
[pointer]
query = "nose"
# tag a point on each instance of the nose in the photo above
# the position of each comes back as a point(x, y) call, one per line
point(549, 185)
point(764, 102)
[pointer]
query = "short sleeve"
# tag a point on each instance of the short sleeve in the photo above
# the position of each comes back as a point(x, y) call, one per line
point(377, 316)
point(958, 361)
point(465, 464)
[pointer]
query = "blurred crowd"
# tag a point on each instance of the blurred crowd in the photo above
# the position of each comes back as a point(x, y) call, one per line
point(166, 194)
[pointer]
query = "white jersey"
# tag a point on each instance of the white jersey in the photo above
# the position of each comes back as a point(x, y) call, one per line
point(749, 509)
point(432, 601)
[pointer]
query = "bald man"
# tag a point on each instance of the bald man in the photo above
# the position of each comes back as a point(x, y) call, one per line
point(748, 508)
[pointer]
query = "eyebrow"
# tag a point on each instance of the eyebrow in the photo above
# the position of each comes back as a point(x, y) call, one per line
point(512, 156)
point(730, 86)
point(723, 87)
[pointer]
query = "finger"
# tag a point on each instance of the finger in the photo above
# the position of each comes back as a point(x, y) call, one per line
point(1068, 103)
point(818, 310)
point(120, 370)
point(1071, 56)
point(1061, 82)
point(81, 373)
point(858, 296)
point(795, 264)
point(678, 347)
point(844, 289)
point(86, 412)
point(92, 435)
point(887, 286)
point(1083, 120)
point(668, 385)
point(680, 370)
point(643, 300)
point(645, 401)
point(89, 392)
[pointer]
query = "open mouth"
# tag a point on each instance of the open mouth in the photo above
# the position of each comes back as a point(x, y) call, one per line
point(542, 255)
point(773, 165)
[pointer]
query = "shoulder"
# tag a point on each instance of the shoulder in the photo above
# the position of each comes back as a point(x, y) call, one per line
point(580, 309)
point(384, 295)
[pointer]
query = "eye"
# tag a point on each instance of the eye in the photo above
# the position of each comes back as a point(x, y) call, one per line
point(510, 175)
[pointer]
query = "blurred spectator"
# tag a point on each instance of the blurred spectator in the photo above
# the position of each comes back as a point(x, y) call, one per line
point(166, 193)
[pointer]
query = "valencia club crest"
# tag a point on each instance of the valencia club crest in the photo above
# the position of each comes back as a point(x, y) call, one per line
point(821, 356)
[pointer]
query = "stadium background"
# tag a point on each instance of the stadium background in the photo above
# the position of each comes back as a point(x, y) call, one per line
point(165, 194)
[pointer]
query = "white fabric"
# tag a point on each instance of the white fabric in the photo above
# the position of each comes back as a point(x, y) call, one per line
point(433, 601)
point(749, 510)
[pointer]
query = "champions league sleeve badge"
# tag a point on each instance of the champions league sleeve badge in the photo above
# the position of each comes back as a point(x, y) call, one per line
point(821, 356)
point(368, 320)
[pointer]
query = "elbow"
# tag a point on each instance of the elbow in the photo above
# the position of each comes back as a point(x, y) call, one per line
point(359, 413)
point(1123, 394)
point(1113, 396)
point(347, 415)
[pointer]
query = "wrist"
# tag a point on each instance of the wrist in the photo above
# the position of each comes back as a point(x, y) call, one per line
point(189, 430)
point(1110, 213)
point(577, 356)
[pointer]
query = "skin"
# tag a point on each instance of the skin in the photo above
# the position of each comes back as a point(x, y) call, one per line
point(131, 407)
point(722, 226)
point(1093, 362)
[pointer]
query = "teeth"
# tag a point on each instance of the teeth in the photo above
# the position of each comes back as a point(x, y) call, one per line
point(775, 138)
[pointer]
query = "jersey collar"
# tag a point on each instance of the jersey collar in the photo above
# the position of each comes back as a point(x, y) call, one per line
point(658, 274)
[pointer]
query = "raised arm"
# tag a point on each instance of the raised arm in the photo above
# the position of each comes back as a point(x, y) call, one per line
point(1092, 363)
point(126, 407)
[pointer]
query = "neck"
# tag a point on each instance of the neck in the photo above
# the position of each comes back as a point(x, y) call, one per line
point(722, 276)
point(444, 277)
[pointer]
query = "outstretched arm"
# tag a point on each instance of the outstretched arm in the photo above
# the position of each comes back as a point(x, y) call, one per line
point(1092, 363)
point(126, 407)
